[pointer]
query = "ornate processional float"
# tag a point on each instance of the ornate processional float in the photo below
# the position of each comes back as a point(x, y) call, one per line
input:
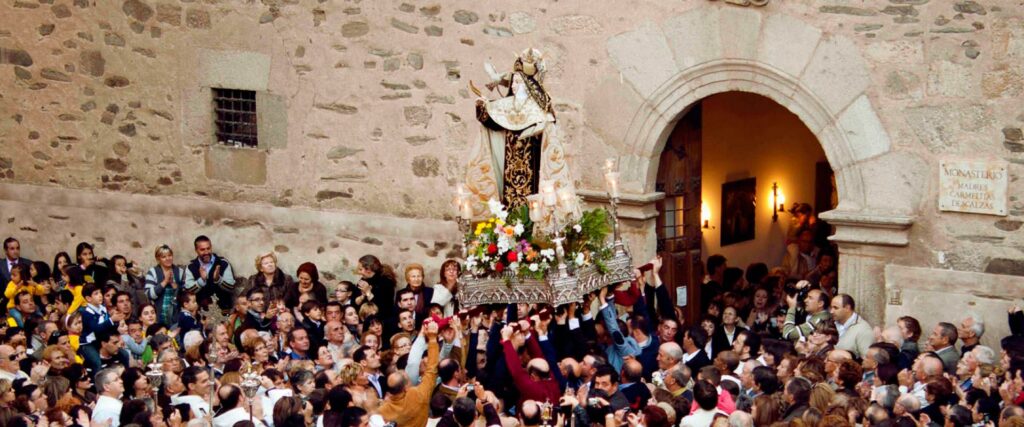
point(526, 238)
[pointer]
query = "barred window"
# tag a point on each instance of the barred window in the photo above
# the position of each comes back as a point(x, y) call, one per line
point(235, 117)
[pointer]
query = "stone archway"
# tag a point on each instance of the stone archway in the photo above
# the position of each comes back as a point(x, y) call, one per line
point(820, 77)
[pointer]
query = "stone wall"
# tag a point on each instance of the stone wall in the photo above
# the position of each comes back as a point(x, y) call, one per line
point(366, 116)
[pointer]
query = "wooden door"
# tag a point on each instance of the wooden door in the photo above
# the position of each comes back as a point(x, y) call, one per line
point(678, 223)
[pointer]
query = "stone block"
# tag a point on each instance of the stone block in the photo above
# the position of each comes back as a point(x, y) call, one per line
point(233, 69)
point(896, 181)
point(272, 120)
point(946, 78)
point(787, 43)
point(643, 57)
point(693, 37)
point(739, 31)
point(864, 131)
point(837, 59)
point(610, 108)
point(244, 166)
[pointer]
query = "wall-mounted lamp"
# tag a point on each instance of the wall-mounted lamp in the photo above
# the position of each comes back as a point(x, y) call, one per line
point(778, 201)
point(705, 215)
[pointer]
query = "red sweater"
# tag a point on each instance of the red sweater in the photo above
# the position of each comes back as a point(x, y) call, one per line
point(545, 390)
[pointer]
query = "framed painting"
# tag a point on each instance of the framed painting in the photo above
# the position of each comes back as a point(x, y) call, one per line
point(739, 200)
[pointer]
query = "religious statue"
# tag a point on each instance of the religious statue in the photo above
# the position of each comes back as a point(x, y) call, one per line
point(519, 146)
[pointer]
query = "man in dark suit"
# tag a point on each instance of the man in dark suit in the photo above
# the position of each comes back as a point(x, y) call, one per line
point(632, 387)
point(12, 252)
point(693, 348)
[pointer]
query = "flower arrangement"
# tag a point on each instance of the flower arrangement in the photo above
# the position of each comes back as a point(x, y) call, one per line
point(504, 243)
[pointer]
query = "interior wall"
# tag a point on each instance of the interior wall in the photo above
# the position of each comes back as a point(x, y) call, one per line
point(746, 135)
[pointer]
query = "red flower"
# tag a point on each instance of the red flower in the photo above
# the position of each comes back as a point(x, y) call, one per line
point(499, 267)
point(513, 256)
point(492, 249)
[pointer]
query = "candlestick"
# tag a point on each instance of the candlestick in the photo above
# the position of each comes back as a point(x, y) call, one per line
point(547, 189)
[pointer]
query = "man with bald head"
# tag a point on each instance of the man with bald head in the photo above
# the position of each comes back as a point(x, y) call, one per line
point(927, 367)
point(670, 355)
point(409, 406)
point(632, 386)
point(334, 333)
point(535, 382)
point(529, 416)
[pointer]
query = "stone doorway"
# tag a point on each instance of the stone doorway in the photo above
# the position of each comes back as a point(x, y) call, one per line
point(662, 69)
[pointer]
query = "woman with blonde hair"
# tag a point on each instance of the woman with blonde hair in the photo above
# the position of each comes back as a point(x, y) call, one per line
point(821, 397)
point(358, 385)
point(270, 278)
point(162, 284)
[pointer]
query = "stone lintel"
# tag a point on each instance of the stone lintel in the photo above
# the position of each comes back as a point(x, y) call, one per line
point(247, 166)
point(869, 228)
point(631, 206)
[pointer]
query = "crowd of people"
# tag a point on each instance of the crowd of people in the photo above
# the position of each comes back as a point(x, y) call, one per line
point(86, 335)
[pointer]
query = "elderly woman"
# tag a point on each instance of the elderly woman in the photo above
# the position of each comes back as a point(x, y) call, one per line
point(308, 284)
point(269, 277)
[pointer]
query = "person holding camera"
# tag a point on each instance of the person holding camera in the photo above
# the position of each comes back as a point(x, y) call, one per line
point(815, 305)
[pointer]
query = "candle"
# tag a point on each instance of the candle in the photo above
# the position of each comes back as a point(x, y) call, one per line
point(548, 191)
point(567, 199)
point(466, 209)
point(612, 182)
point(536, 212)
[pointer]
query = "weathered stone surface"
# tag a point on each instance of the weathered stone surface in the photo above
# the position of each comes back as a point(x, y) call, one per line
point(113, 39)
point(341, 152)
point(425, 166)
point(837, 59)
point(417, 116)
point(323, 195)
point(137, 9)
point(465, 17)
point(415, 60)
point(21, 73)
point(91, 62)
point(1013, 134)
point(522, 22)
point(355, 29)
point(197, 18)
point(433, 31)
point(116, 81)
point(46, 29)
point(15, 56)
point(61, 11)
point(418, 140)
point(115, 165)
point(847, 10)
point(55, 75)
point(496, 31)
point(1008, 225)
point(168, 13)
point(903, 10)
point(1013, 267)
point(338, 108)
point(403, 26)
point(969, 7)
point(567, 25)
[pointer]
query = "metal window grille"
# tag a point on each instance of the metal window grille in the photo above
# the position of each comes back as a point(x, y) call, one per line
point(235, 117)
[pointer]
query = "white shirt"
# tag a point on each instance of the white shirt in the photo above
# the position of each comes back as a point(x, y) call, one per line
point(229, 418)
point(700, 418)
point(107, 408)
point(846, 326)
point(197, 404)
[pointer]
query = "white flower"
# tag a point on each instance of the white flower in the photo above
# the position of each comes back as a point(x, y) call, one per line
point(497, 209)
point(547, 253)
point(533, 267)
point(577, 228)
point(519, 229)
point(579, 258)
point(514, 266)
point(503, 244)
